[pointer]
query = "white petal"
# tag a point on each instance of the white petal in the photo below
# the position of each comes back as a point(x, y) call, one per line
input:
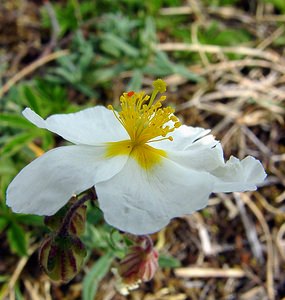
point(239, 176)
point(193, 148)
point(91, 126)
point(183, 137)
point(47, 183)
point(143, 202)
point(199, 156)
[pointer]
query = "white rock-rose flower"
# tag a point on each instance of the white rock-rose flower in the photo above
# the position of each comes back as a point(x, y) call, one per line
point(146, 167)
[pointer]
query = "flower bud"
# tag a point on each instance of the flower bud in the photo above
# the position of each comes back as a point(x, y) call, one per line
point(140, 264)
point(54, 222)
point(76, 223)
point(61, 257)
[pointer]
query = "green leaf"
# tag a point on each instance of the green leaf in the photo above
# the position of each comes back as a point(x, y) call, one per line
point(16, 121)
point(3, 223)
point(31, 98)
point(4, 182)
point(30, 220)
point(3, 278)
point(166, 261)
point(106, 47)
point(94, 215)
point(7, 172)
point(96, 237)
point(114, 41)
point(95, 275)
point(18, 292)
point(4, 290)
point(17, 239)
point(15, 143)
point(162, 66)
point(84, 89)
point(7, 167)
point(181, 70)
point(68, 75)
point(103, 75)
point(280, 4)
point(231, 37)
point(136, 81)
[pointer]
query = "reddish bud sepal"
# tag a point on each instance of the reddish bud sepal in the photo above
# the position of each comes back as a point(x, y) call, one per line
point(61, 257)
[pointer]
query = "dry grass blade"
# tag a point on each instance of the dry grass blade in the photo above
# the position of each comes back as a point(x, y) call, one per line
point(30, 69)
point(281, 197)
point(274, 57)
point(203, 234)
point(271, 209)
point(247, 62)
point(255, 293)
point(280, 241)
point(17, 272)
point(250, 230)
point(269, 245)
point(223, 12)
point(32, 290)
point(261, 146)
point(192, 272)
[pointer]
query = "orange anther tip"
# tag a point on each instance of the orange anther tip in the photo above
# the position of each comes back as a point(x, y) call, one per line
point(130, 94)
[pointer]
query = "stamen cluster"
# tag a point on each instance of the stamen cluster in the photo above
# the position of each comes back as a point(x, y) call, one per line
point(144, 118)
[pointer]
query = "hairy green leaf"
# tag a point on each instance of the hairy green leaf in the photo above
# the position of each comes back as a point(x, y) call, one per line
point(95, 275)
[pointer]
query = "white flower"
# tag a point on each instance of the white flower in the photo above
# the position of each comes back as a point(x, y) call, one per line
point(146, 168)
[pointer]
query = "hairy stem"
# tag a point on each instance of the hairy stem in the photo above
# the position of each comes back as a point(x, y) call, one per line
point(68, 217)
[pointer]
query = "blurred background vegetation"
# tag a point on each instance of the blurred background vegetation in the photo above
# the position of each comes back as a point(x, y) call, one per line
point(223, 61)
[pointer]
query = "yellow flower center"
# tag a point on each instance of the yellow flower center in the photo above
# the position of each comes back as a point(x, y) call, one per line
point(145, 121)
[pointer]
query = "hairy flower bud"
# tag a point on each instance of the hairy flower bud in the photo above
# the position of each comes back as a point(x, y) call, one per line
point(53, 222)
point(61, 257)
point(140, 264)
point(76, 224)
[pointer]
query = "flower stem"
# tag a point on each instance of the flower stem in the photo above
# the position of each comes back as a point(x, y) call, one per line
point(68, 217)
point(148, 243)
point(145, 240)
